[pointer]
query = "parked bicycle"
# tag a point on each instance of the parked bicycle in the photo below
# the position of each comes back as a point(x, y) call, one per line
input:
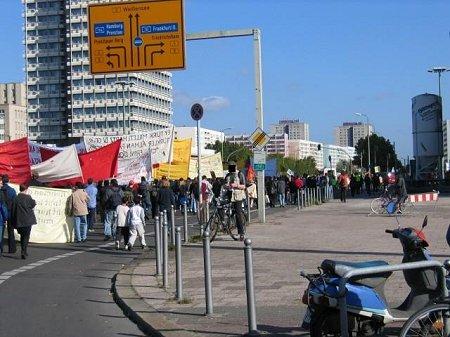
point(223, 219)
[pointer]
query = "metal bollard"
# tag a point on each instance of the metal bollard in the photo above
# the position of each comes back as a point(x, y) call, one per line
point(185, 223)
point(309, 197)
point(298, 199)
point(172, 225)
point(161, 228)
point(207, 269)
point(302, 192)
point(319, 190)
point(158, 246)
point(249, 285)
point(314, 193)
point(306, 197)
point(248, 209)
point(165, 241)
point(179, 275)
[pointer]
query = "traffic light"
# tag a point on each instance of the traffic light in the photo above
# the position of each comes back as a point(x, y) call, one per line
point(319, 147)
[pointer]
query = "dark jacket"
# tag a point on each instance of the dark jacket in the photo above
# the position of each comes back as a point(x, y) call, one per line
point(113, 198)
point(165, 199)
point(8, 196)
point(22, 214)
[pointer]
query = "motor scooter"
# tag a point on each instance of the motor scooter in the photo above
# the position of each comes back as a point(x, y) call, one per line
point(367, 308)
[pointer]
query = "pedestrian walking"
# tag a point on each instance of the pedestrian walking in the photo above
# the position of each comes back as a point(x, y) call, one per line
point(136, 222)
point(154, 198)
point(123, 229)
point(9, 194)
point(23, 217)
point(166, 199)
point(78, 203)
point(271, 191)
point(144, 192)
point(3, 220)
point(344, 182)
point(113, 198)
point(281, 191)
point(206, 189)
point(92, 192)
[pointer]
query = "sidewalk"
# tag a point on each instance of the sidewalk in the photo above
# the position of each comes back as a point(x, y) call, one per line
point(290, 240)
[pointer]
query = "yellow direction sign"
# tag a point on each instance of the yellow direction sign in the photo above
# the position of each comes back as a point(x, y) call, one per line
point(259, 139)
point(136, 36)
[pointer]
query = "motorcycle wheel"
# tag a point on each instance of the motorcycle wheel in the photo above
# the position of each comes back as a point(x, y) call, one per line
point(326, 323)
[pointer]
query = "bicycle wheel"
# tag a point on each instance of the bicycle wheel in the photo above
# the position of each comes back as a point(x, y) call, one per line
point(213, 225)
point(407, 207)
point(377, 206)
point(433, 320)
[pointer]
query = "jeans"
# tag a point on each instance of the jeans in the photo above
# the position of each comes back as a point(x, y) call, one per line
point(24, 238)
point(80, 226)
point(110, 223)
point(281, 199)
point(2, 228)
point(91, 218)
point(240, 222)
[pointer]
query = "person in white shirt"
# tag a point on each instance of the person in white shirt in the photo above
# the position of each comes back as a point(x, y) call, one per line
point(122, 223)
point(136, 221)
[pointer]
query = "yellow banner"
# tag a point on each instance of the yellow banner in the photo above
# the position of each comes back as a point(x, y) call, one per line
point(179, 167)
point(53, 226)
point(208, 164)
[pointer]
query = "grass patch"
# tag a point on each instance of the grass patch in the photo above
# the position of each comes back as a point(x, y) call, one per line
point(195, 239)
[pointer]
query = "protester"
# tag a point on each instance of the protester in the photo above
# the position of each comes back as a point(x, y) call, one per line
point(154, 198)
point(136, 222)
point(166, 199)
point(144, 192)
point(23, 217)
point(281, 190)
point(252, 192)
point(235, 181)
point(78, 203)
point(344, 182)
point(368, 183)
point(92, 192)
point(206, 189)
point(113, 198)
point(183, 191)
point(3, 220)
point(271, 191)
point(129, 192)
point(194, 195)
point(9, 194)
point(122, 223)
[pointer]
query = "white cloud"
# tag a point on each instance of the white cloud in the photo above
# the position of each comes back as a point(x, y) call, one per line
point(211, 103)
point(215, 103)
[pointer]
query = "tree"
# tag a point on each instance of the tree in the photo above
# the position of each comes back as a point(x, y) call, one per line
point(343, 165)
point(382, 153)
point(298, 166)
point(240, 154)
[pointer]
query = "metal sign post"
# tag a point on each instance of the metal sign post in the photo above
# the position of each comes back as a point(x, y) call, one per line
point(197, 114)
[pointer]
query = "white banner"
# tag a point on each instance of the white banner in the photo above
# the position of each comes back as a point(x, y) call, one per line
point(35, 151)
point(53, 225)
point(209, 164)
point(137, 152)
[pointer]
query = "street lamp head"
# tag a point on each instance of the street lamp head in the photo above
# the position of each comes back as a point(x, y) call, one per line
point(438, 70)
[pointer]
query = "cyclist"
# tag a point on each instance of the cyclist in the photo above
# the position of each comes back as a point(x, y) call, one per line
point(235, 182)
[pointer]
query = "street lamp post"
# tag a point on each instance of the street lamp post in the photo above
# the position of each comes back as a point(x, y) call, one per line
point(439, 71)
point(123, 84)
point(368, 136)
point(223, 140)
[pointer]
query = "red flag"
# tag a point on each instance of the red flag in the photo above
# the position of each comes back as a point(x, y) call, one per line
point(101, 163)
point(47, 153)
point(15, 160)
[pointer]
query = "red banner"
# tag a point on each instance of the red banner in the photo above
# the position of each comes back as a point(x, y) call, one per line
point(100, 164)
point(15, 160)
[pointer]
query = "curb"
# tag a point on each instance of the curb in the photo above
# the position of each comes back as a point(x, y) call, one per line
point(146, 317)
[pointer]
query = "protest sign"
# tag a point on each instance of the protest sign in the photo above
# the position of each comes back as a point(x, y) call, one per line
point(209, 164)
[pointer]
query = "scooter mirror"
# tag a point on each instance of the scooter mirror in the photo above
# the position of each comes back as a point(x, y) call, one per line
point(425, 222)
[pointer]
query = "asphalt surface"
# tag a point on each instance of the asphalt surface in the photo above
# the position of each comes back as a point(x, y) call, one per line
point(64, 289)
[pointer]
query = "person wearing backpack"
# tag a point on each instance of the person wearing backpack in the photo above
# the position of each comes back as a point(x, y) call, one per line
point(9, 195)
point(235, 181)
point(113, 198)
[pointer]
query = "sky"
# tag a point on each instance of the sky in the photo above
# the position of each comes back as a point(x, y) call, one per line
point(322, 61)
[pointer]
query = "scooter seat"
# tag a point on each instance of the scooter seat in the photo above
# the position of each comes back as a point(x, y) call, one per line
point(340, 268)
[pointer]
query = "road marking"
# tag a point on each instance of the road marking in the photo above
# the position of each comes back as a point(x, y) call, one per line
point(8, 274)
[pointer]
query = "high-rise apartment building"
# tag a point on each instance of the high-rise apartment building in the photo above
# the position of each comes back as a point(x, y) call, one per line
point(13, 111)
point(64, 100)
point(292, 127)
point(350, 133)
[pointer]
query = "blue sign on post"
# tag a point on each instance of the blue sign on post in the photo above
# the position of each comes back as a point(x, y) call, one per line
point(109, 29)
point(159, 28)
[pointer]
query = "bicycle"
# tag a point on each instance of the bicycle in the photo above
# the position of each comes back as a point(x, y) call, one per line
point(386, 204)
point(223, 219)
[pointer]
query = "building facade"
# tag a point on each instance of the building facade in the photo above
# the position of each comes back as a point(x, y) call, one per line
point(65, 101)
point(13, 111)
point(349, 133)
point(278, 143)
point(333, 154)
point(207, 137)
point(301, 149)
point(292, 127)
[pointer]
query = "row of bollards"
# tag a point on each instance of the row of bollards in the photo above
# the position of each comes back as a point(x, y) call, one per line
point(162, 236)
point(308, 197)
